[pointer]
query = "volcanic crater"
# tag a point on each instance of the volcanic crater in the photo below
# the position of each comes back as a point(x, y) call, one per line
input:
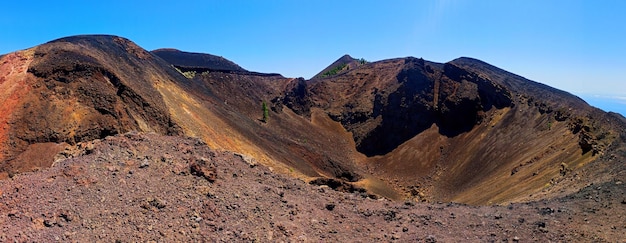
point(382, 133)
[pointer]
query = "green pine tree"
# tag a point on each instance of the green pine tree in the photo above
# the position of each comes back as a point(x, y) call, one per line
point(266, 112)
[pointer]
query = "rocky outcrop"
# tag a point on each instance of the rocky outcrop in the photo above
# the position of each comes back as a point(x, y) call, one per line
point(296, 97)
point(458, 127)
point(86, 88)
point(420, 95)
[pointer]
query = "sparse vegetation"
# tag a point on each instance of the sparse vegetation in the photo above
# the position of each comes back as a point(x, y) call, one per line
point(188, 74)
point(334, 71)
point(266, 112)
point(342, 67)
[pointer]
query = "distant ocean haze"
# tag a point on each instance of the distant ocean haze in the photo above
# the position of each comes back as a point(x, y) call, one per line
point(614, 103)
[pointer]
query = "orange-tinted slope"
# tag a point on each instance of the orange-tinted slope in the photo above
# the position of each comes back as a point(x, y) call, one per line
point(461, 131)
point(14, 84)
point(225, 110)
point(73, 90)
point(227, 114)
point(90, 87)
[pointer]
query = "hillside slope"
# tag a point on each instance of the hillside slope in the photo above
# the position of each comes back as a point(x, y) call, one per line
point(405, 128)
point(73, 90)
point(466, 131)
point(81, 88)
point(343, 64)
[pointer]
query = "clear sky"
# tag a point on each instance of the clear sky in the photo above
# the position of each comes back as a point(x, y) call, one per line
point(577, 46)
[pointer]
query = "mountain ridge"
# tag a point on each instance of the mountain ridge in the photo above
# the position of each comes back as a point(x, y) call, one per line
point(199, 62)
point(101, 138)
point(443, 89)
point(385, 114)
point(196, 60)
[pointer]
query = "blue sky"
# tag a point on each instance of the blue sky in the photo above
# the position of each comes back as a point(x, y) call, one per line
point(577, 46)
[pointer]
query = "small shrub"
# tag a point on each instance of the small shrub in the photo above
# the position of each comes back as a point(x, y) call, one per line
point(188, 74)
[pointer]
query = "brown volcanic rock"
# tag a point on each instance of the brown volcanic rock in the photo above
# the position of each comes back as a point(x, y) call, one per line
point(455, 130)
point(14, 84)
point(78, 89)
point(115, 86)
point(297, 143)
point(378, 107)
point(197, 60)
point(140, 187)
point(462, 131)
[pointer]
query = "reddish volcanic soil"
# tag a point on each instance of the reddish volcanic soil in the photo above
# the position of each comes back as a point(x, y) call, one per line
point(147, 187)
point(14, 85)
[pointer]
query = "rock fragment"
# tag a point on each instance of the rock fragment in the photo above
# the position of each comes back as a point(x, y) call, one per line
point(203, 167)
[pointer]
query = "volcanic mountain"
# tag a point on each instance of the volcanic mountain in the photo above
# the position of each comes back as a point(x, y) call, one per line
point(465, 130)
point(107, 116)
point(197, 60)
point(342, 65)
point(462, 131)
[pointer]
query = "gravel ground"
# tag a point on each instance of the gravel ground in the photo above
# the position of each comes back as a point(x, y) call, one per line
point(147, 187)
